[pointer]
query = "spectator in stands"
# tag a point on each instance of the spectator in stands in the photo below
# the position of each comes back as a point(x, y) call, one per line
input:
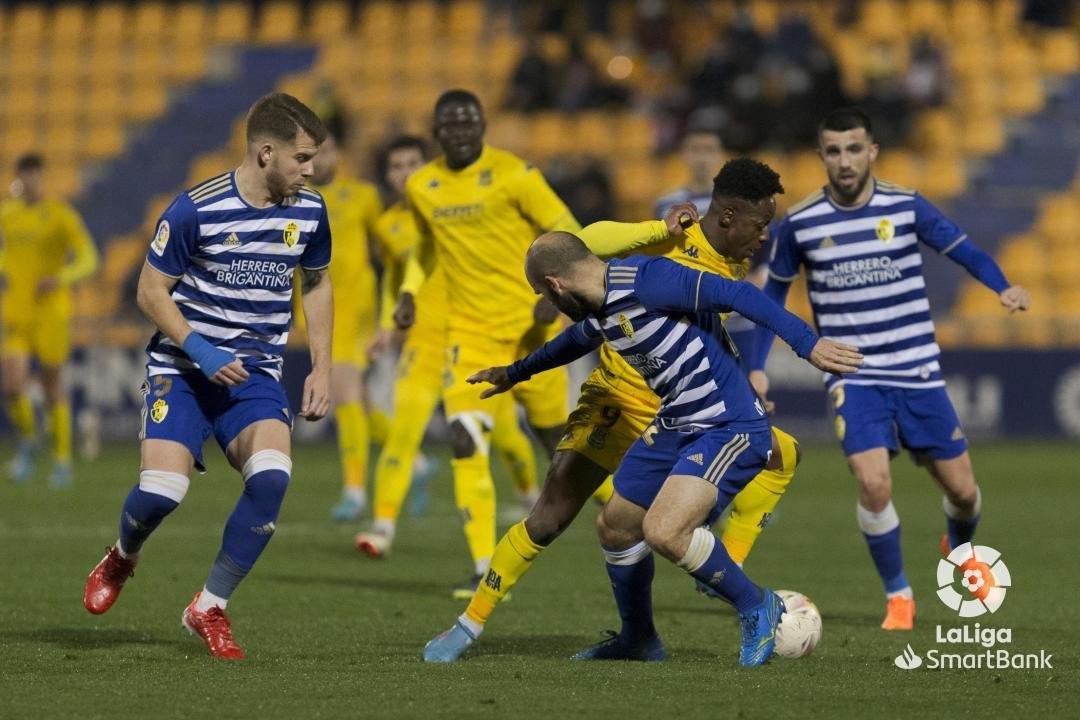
point(530, 82)
point(583, 184)
point(582, 87)
point(927, 77)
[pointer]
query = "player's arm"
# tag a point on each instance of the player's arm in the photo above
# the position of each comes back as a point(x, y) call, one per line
point(82, 259)
point(607, 239)
point(784, 262)
point(663, 284)
point(168, 259)
point(418, 267)
point(943, 235)
point(318, 301)
point(572, 343)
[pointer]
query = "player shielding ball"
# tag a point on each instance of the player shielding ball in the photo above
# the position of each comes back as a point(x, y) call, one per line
point(218, 284)
point(858, 239)
point(710, 436)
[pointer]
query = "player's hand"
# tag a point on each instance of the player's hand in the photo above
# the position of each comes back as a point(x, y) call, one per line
point(1015, 298)
point(497, 376)
point(544, 312)
point(383, 341)
point(315, 402)
point(835, 357)
point(680, 217)
point(47, 284)
point(760, 382)
point(230, 374)
point(405, 312)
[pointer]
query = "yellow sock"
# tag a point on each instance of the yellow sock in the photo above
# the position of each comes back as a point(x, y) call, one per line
point(393, 473)
point(58, 421)
point(378, 425)
point(516, 448)
point(21, 413)
point(604, 492)
point(474, 493)
point(753, 506)
point(512, 559)
point(353, 444)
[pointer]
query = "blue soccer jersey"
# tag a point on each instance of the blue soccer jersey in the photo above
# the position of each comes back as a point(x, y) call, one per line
point(662, 318)
point(864, 274)
point(234, 267)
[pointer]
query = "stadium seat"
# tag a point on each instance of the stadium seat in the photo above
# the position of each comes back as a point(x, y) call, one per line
point(465, 19)
point(103, 102)
point(279, 22)
point(926, 17)
point(231, 22)
point(146, 100)
point(187, 24)
point(982, 135)
point(109, 24)
point(26, 27)
point(103, 140)
point(944, 176)
point(1060, 51)
point(329, 19)
point(188, 63)
point(67, 25)
point(899, 167)
point(149, 23)
point(1022, 95)
point(880, 19)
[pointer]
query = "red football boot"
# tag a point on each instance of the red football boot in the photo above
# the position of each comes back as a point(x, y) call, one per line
point(213, 627)
point(106, 580)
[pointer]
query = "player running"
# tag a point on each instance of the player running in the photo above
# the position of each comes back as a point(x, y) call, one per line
point(709, 438)
point(858, 238)
point(218, 283)
point(45, 249)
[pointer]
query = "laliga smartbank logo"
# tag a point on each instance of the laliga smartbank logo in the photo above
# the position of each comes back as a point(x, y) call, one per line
point(983, 578)
point(983, 574)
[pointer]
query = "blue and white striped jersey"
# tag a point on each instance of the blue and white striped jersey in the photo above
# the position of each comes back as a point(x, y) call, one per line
point(864, 274)
point(662, 318)
point(234, 266)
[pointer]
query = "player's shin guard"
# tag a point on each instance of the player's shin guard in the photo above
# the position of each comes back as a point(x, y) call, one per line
point(707, 560)
point(252, 523)
point(157, 494)
point(353, 444)
point(58, 422)
point(961, 522)
point(882, 533)
point(631, 572)
point(512, 558)
point(754, 504)
point(474, 493)
point(21, 413)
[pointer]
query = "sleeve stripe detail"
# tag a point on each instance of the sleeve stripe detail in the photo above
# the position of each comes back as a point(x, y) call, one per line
point(321, 267)
point(697, 289)
point(955, 242)
point(781, 278)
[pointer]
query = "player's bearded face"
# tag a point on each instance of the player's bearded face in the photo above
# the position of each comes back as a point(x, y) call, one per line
point(849, 157)
point(571, 303)
point(290, 166)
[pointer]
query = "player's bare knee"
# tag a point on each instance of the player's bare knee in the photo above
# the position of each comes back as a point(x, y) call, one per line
point(663, 536)
point(610, 535)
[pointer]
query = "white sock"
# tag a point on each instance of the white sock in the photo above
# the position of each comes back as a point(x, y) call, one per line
point(482, 566)
point(120, 549)
point(471, 625)
point(356, 494)
point(384, 527)
point(208, 600)
point(903, 592)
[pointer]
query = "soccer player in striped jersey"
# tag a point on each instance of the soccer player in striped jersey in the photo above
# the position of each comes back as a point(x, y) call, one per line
point(218, 284)
point(353, 207)
point(709, 438)
point(859, 241)
point(45, 249)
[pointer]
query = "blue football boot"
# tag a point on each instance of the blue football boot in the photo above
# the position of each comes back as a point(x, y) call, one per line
point(448, 646)
point(60, 477)
point(22, 465)
point(759, 629)
point(614, 648)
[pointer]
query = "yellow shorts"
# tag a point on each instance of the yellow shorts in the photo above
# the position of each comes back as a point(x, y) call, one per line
point(422, 365)
point(46, 337)
point(354, 326)
point(607, 419)
point(543, 397)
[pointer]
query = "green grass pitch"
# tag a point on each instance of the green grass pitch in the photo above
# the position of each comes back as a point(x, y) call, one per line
point(331, 635)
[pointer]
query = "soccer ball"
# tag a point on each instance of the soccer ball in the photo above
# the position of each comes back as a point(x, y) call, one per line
point(800, 626)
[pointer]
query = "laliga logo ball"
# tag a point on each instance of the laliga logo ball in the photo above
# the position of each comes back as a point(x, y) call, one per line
point(983, 575)
point(799, 630)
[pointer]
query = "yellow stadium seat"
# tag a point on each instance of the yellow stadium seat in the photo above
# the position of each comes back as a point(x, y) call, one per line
point(103, 140)
point(63, 99)
point(24, 64)
point(465, 19)
point(23, 99)
point(109, 24)
point(188, 63)
point(19, 139)
point(1060, 51)
point(636, 182)
point(599, 134)
point(633, 133)
point(103, 102)
point(68, 24)
point(969, 19)
point(422, 20)
point(279, 22)
point(63, 179)
point(805, 175)
point(66, 61)
point(944, 176)
point(934, 130)
point(926, 17)
point(765, 15)
point(1006, 18)
point(231, 22)
point(973, 59)
point(187, 24)
point(146, 100)
point(379, 18)
point(1060, 218)
point(105, 63)
point(508, 130)
point(1023, 95)
point(1016, 56)
point(147, 64)
point(880, 19)
point(329, 19)
point(26, 25)
point(899, 167)
point(149, 24)
point(547, 136)
point(982, 134)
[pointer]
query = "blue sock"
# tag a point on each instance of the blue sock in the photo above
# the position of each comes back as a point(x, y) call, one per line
point(252, 523)
point(631, 572)
point(157, 494)
point(961, 523)
point(882, 533)
point(707, 560)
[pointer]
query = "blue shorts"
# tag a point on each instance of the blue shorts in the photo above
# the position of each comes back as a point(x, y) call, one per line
point(874, 416)
point(728, 457)
point(188, 408)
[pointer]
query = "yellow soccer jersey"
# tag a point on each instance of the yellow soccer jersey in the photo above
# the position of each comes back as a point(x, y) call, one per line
point(353, 207)
point(41, 240)
point(693, 250)
point(479, 222)
point(396, 236)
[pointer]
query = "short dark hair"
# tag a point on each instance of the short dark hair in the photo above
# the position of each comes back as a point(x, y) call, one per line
point(746, 179)
point(554, 253)
point(401, 142)
point(457, 95)
point(845, 118)
point(29, 161)
point(279, 116)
